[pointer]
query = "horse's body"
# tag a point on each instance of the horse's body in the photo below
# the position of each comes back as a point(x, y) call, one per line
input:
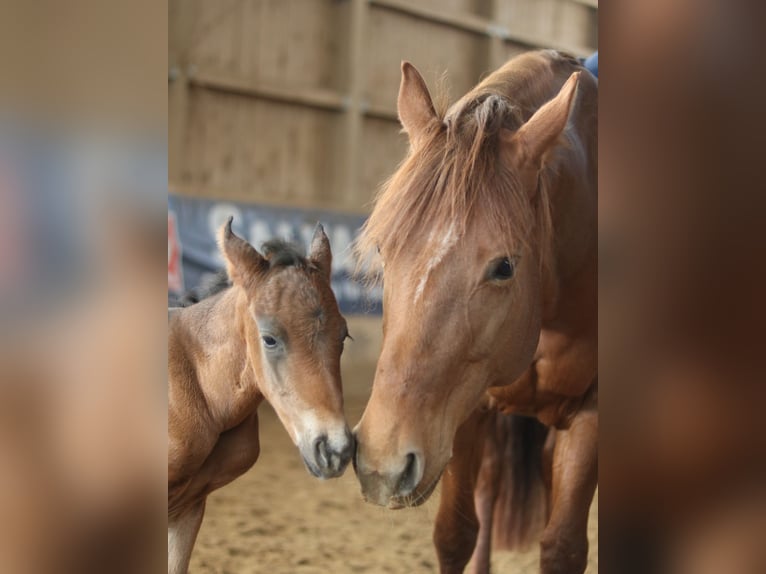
point(275, 334)
point(487, 233)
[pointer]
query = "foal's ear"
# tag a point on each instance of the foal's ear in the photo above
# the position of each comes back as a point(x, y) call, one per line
point(320, 252)
point(416, 109)
point(243, 262)
point(540, 133)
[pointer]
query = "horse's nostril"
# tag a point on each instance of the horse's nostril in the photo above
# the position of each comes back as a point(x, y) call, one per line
point(410, 475)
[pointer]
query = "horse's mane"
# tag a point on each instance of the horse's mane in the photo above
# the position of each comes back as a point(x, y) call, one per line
point(454, 176)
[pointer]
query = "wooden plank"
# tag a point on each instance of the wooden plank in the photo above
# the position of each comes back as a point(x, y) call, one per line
point(496, 49)
point(251, 148)
point(295, 102)
point(349, 154)
point(311, 97)
point(184, 20)
point(467, 22)
point(385, 146)
point(216, 41)
point(478, 25)
point(380, 112)
point(450, 60)
point(576, 24)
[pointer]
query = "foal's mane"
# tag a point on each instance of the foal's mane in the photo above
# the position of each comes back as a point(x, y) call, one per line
point(281, 253)
point(278, 253)
point(455, 175)
point(210, 285)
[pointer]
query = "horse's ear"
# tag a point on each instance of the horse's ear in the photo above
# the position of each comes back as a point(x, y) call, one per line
point(541, 132)
point(243, 262)
point(320, 252)
point(416, 109)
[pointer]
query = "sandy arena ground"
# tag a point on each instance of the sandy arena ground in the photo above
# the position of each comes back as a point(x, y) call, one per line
point(277, 519)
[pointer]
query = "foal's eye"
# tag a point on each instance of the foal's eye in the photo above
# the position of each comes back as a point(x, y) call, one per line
point(269, 342)
point(502, 269)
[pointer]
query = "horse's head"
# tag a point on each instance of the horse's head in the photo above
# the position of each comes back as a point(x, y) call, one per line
point(294, 334)
point(461, 230)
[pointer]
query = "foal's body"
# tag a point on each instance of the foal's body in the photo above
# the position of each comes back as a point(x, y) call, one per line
point(212, 413)
point(275, 334)
point(488, 236)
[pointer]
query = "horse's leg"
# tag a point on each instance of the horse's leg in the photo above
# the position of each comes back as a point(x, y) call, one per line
point(564, 545)
point(182, 532)
point(547, 463)
point(484, 498)
point(457, 525)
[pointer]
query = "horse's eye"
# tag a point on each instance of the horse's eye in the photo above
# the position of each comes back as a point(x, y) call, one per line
point(502, 269)
point(269, 342)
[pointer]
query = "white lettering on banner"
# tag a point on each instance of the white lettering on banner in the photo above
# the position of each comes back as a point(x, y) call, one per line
point(258, 224)
point(307, 233)
point(284, 230)
point(259, 233)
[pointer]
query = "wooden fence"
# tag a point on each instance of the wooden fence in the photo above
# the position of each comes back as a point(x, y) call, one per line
point(292, 102)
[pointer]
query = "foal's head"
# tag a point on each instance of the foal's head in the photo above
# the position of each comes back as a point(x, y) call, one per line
point(294, 334)
point(462, 230)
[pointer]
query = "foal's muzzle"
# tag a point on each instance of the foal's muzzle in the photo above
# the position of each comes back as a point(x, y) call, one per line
point(328, 458)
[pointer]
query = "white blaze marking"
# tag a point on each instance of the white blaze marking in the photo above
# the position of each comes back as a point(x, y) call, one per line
point(447, 242)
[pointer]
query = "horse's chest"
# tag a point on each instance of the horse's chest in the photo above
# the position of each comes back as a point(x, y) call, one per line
point(553, 387)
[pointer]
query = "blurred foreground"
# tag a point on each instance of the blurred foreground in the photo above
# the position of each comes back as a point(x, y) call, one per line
point(83, 289)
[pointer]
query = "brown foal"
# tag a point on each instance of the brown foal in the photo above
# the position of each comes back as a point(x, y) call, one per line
point(275, 334)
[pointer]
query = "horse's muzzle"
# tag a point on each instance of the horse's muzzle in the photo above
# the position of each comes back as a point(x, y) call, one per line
point(393, 487)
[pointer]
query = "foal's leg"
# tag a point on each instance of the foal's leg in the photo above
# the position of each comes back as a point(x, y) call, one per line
point(564, 545)
point(182, 532)
point(456, 522)
point(235, 452)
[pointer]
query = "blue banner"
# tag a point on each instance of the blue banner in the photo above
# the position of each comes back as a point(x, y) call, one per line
point(193, 225)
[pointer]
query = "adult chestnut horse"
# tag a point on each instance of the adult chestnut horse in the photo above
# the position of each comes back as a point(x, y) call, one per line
point(487, 237)
point(275, 334)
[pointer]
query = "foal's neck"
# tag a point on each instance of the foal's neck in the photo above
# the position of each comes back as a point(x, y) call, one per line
point(225, 371)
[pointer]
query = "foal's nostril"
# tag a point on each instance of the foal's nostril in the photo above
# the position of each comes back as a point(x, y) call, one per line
point(410, 475)
point(321, 452)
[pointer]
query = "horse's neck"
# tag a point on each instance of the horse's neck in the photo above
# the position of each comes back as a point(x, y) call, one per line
point(574, 208)
point(224, 370)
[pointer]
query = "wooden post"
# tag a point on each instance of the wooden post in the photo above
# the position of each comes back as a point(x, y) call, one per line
point(350, 154)
point(178, 84)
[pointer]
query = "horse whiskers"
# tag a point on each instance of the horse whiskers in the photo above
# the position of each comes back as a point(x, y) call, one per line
point(416, 500)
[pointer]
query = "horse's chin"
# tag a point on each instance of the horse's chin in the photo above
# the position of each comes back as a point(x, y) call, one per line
point(415, 499)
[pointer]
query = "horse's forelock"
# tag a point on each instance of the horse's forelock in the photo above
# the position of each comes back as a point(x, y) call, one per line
point(450, 179)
